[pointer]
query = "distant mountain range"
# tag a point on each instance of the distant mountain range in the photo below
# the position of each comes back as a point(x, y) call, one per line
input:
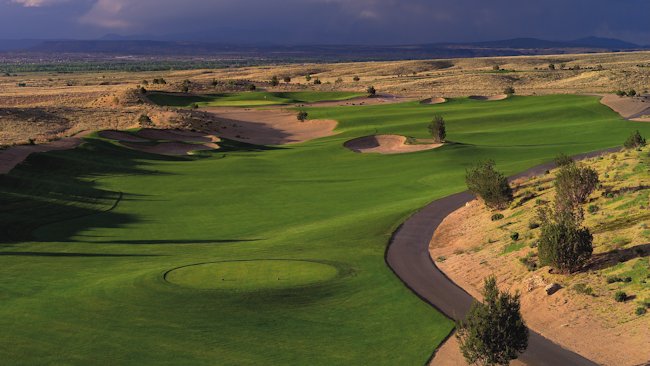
point(116, 45)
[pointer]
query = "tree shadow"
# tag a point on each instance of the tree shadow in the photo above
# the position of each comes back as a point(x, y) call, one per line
point(62, 254)
point(171, 241)
point(59, 186)
point(605, 260)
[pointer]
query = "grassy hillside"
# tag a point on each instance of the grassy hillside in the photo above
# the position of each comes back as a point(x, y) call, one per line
point(97, 271)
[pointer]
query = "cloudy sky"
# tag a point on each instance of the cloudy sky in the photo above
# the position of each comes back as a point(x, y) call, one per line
point(327, 21)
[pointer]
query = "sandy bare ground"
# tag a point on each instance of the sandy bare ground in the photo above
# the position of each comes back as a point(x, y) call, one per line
point(634, 109)
point(386, 144)
point(268, 126)
point(376, 100)
point(449, 355)
point(435, 100)
point(489, 98)
point(11, 157)
point(570, 320)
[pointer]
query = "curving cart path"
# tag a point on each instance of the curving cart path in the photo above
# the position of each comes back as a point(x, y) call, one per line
point(408, 257)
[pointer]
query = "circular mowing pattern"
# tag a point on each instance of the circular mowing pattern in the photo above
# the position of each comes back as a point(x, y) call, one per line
point(253, 275)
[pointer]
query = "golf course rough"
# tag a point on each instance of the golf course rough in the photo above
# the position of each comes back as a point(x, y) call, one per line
point(93, 230)
point(252, 275)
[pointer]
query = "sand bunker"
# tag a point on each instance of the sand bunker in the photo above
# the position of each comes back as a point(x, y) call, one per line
point(489, 98)
point(386, 144)
point(170, 148)
point(268, 126)
point(635, 109)
point(437, 100)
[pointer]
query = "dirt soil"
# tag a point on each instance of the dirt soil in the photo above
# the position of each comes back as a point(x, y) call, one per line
point(267, 126)
point(632, 108)
point(461, 250)
point(387, 144)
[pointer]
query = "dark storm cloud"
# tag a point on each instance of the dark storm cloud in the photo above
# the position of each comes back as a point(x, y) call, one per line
point(329, 21)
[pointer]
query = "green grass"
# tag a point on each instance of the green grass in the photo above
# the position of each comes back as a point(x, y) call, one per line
point(248, 99)
point(97, 228)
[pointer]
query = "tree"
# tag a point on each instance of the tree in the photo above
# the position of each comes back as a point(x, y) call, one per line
point(621, 93)
point(635, 140)
point(185, 86)
point(496, 67)
point(551, 66)
point(573, 185)
point(490, 185)
point(317, 81)
point(287, 79)
point(371, 91)
point(563, 244)
point(631, 93)
point(252, 87)
point(437, 129)
point(275, 81)
point(302, 116)
point(308, 77)
point(144, 120)
point(356, 78)
point(214, 83)
point(494, 332)
point(509, 90)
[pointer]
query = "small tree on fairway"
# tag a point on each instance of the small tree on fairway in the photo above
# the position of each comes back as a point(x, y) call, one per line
point(494, 332)
point(275, 81)
point(437, 129)
point(490, 185)
point(371, 91)
point(635, 140)
point(302, 116)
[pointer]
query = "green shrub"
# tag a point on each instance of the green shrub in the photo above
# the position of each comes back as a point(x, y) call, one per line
point(493, 332)
point(275, 81)
point(613, 279)
point(317, 82)
point(573, 185)
point(621, 93)
point(562, 160)
point(514, 236)
point(592, 209)
point(356, 78)
point(371, 91)
point(583, 289)
point(497, 217)
point(509, 90)
point(302, 116)
point(533, 225)
point(641, 310)
point(635, 140)
point(287, 79)
point(489, 184)
point(563, 244)
point(620, 296)
point(529, 262)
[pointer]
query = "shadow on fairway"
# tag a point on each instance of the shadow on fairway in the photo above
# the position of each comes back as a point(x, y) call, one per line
point(83, 255)
point(59, 186)
point(180, 241)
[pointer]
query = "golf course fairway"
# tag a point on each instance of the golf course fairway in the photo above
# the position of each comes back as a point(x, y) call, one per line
point(112, 256)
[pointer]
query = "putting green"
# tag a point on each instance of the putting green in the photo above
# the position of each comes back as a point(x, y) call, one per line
point(251, 275)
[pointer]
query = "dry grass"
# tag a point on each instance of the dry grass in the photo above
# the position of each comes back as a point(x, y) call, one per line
point(52, 105)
